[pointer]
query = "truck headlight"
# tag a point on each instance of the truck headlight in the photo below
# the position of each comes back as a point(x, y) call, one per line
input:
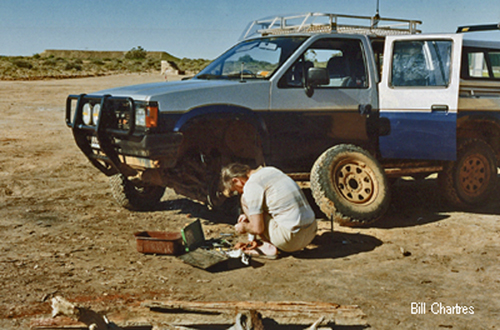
point(96, 110)
point(146, 114)
point(140, 116)
point(87, 114)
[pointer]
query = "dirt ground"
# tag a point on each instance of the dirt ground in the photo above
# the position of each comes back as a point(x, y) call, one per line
point(62, 234)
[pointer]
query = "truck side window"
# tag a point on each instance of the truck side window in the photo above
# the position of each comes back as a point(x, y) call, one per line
point(421, 63)
point(343, 58)
point(478, 68)
point(482, 64)
point(495, 64)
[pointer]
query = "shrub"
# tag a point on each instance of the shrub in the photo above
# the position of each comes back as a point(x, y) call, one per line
point(151, 64)
point(73, 66)
point(138, 53)
point(113, 66)
point(193, 65)
point(134, 67)
point(22, 64)
point(49, 62)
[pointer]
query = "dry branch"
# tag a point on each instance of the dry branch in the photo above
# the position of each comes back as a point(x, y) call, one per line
point(340, 314)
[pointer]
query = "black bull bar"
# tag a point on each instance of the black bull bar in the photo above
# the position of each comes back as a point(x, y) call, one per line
point(116, 119)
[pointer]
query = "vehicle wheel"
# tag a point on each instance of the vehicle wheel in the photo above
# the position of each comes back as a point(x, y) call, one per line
point(470, 180)
point(133, 197)
point(230, 207)
point(350, 185)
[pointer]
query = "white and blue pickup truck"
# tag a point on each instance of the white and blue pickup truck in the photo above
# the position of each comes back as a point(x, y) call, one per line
point(345, 105)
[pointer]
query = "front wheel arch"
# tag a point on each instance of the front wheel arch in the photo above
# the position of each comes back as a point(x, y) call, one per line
point(223, 111)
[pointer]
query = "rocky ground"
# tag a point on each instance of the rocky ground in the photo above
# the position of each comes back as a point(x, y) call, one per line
point(62, 234)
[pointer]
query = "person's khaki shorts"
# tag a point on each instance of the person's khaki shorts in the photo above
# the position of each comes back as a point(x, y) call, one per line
point(287, 241)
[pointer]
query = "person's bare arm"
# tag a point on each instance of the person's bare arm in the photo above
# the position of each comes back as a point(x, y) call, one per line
point(253, 224)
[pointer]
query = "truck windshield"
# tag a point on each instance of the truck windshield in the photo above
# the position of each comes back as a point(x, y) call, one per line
point(252, 59)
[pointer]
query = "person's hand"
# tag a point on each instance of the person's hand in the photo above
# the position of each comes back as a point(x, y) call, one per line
point(239, 228)
point(247, 246)
point(242, 218)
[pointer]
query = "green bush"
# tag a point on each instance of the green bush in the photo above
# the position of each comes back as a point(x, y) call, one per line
point(151, 64)
point(49, 62)
point(73, 66)
point(23, 64)
point(193, 65)
point(138, 53)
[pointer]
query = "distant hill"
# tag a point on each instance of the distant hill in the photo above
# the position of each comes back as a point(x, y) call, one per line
point(93, 54)
point(57, 64)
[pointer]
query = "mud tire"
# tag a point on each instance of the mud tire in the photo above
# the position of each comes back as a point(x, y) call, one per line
point(349, 185)
point(131, 197)
point(471, 179)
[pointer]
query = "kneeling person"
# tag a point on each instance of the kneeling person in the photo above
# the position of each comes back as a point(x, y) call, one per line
point(274, 207)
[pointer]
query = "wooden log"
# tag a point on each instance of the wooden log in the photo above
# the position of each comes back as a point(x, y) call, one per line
point(221, 306)
point(340, 314)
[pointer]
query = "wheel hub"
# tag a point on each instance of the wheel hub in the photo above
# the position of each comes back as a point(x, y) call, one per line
point(354, 181)
point(474, 174)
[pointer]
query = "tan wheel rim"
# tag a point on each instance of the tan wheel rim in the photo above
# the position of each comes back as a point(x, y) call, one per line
point(355, 181)
point(474, 175)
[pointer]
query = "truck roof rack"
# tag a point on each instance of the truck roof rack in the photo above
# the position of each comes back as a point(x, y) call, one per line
point(330, 23)
point(477, 28)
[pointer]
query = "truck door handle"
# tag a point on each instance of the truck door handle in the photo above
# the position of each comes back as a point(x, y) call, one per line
point(365, 109)
point(439, 107)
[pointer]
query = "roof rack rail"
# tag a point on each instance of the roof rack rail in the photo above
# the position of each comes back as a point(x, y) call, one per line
point(476, 28)
point(330, 23)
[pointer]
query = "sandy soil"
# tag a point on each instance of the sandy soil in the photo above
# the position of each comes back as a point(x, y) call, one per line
point(62, 234)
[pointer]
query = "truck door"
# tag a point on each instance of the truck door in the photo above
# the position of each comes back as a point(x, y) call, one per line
point(419, 96)
point(303, 126)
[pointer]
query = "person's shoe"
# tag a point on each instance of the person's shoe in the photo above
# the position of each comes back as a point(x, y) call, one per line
point(258, 254)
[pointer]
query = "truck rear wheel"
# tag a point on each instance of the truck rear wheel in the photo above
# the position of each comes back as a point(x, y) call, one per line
point(349, 185)
point(470, 180)
point(133, 197)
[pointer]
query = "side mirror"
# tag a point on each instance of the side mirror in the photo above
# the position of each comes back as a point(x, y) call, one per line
point(316, 77)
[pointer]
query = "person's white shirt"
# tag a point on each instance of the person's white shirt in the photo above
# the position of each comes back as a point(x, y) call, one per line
point(269, 190)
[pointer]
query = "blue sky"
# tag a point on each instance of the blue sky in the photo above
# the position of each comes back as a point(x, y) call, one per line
point(197, 28)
